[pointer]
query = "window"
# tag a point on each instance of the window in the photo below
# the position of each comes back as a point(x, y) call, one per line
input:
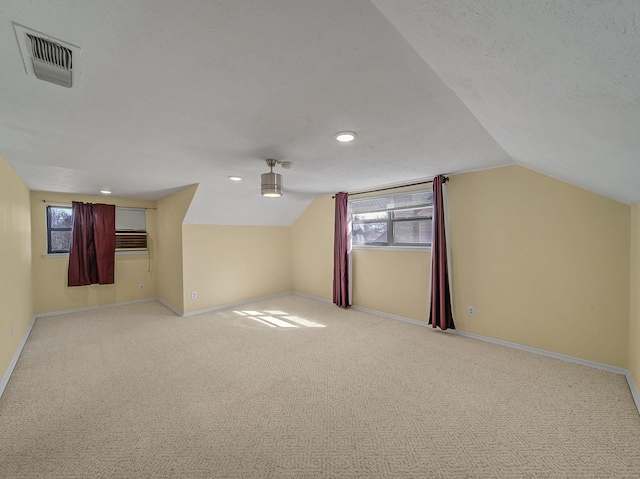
point(131, 229)
point(403, 219)
point(59, 222)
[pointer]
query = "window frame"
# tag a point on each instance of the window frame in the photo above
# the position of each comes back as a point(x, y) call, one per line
point(390, 221)
point(50, 251)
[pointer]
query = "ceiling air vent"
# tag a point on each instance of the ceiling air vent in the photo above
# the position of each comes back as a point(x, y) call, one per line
point(51, 61)
point(47, 58)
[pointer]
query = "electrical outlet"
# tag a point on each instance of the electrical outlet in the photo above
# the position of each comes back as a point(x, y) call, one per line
point(10, 332)
point(471, 311)
point(141, 286)
point(194, 294)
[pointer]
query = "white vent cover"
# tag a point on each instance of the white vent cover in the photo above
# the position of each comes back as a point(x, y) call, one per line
point(48, 58)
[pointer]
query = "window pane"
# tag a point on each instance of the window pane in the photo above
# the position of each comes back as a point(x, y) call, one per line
point(369, 233)
point(387, 202)
point(412, 199)
point(402, 219)
point(368, 204)
point(60, 241)
point(378, 215)
point(424, 212)
point(60, 217)
point(412, 232)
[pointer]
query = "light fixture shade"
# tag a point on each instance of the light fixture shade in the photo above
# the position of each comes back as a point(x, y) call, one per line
point(271, 184)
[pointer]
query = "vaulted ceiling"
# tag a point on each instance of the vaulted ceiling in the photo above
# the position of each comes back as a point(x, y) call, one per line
point(175, 93)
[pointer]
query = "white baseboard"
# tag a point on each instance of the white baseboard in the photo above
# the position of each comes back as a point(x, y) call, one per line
point(634, 390)
point(167, 305)
point(16, 356)
point(308, 296)
point(90, 308)
point(233, 305)
point(392, 316)
point(542, 352)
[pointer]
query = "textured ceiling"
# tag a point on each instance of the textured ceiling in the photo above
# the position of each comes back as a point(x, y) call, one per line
point(555, 82)
point(176, 93)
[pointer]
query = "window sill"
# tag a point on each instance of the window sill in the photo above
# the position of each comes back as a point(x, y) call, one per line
point(425, 249)
point(118, 253)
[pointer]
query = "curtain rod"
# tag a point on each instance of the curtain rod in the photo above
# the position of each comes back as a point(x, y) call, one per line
point(428, 182)
point(66, 203)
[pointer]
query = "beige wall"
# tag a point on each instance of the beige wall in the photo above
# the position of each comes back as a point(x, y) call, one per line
point(634, 305)
point(15, 263)
point(228, 264)
point(50, 290)
point(312, 250)
point(171, 212)
point(544, 263)
point(393, 282)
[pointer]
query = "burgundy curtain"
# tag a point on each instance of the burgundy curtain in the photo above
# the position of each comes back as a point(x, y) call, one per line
point(341, 252)
point(93, 244)
point(441, 313)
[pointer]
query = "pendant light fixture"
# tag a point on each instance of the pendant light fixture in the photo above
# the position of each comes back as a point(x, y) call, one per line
point(271, 182)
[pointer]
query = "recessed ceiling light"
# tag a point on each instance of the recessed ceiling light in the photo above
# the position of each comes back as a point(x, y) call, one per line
point(105, 192)
point(235, 178)
point(345, 136)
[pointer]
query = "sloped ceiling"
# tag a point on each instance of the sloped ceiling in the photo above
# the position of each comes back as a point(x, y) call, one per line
point(176, 93)
point(555, 82)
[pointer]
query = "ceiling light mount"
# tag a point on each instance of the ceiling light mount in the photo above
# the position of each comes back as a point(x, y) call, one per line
point(272, 163)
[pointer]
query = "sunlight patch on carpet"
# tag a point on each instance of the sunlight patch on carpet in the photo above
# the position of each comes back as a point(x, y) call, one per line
point(268, 317)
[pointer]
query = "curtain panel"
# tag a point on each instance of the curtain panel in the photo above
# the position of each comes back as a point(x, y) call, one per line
point(341, 252)
point(441, 313)
point(93, 244)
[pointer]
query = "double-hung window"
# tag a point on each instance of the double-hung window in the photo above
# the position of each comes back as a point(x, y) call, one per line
point(397, 220)
point(59, 223)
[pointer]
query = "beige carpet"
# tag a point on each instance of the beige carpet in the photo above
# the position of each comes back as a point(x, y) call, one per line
point(136, 392)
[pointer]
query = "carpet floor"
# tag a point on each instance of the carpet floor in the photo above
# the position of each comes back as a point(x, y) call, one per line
point(296, 388)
